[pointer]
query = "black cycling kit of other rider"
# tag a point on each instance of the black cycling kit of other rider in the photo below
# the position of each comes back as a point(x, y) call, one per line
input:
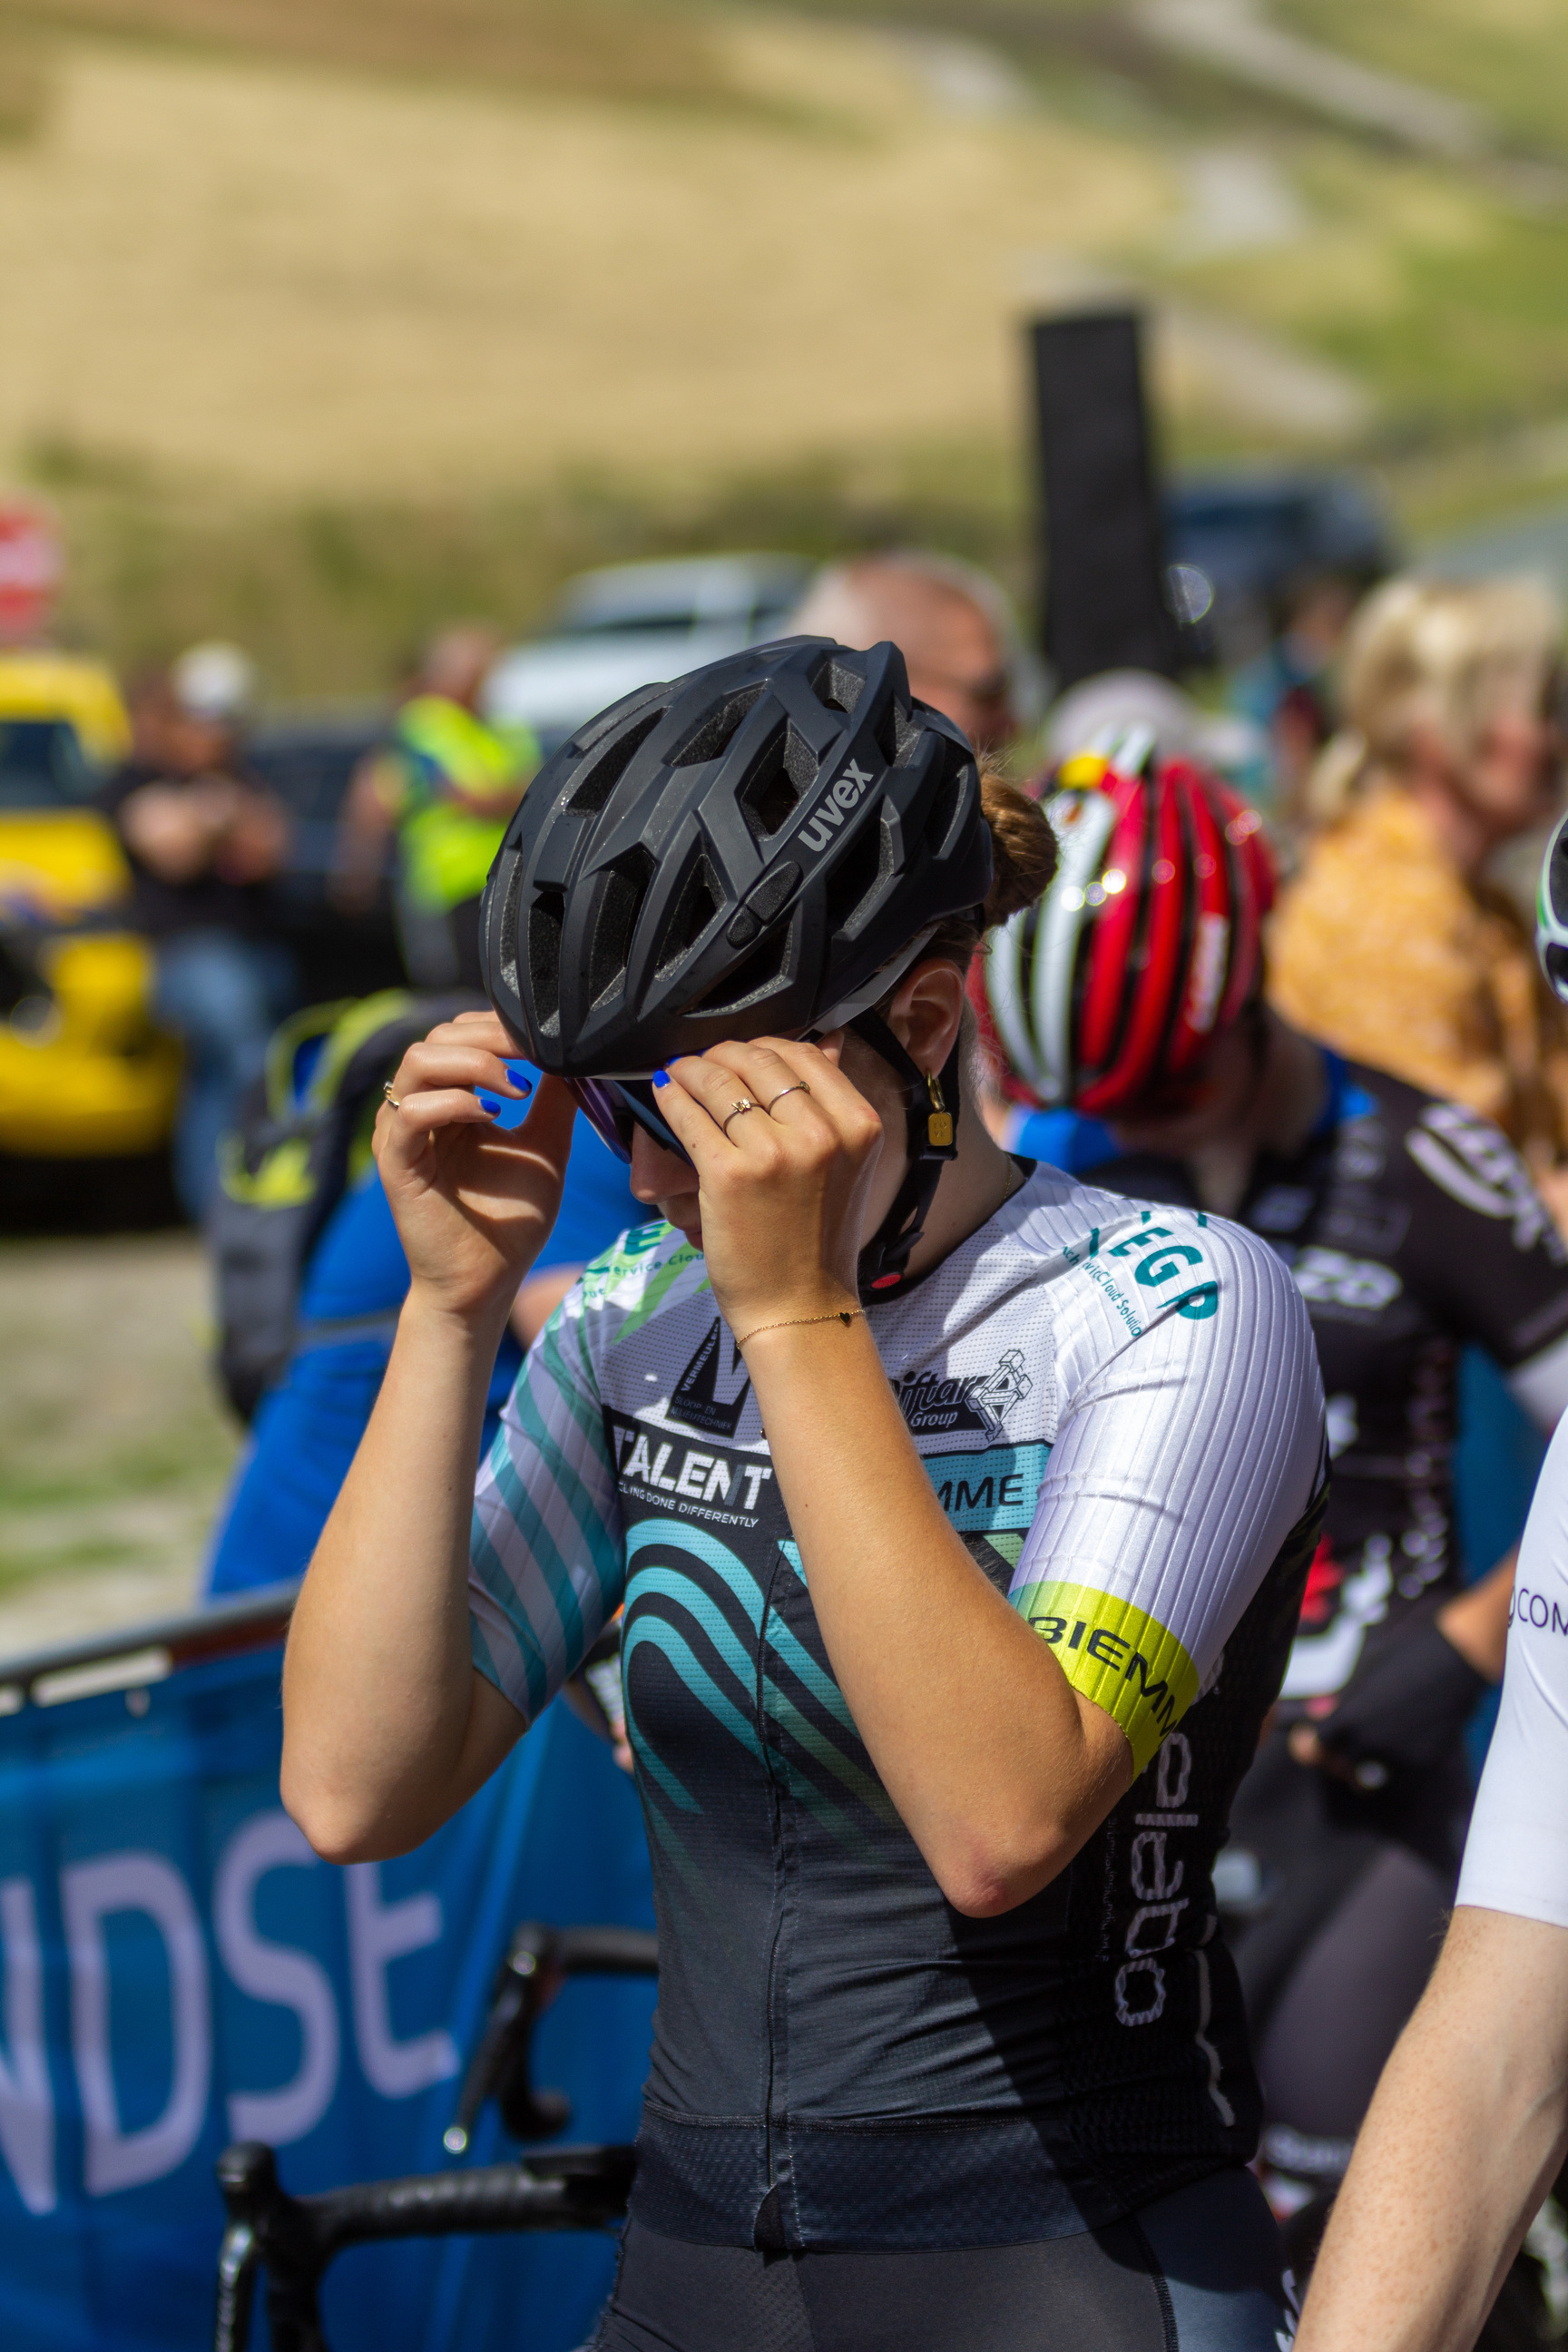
point(1412, 1228)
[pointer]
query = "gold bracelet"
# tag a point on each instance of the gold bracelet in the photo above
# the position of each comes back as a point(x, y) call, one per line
point(845, 1315)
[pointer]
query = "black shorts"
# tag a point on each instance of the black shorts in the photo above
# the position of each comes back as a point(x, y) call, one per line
point(1196, 2271)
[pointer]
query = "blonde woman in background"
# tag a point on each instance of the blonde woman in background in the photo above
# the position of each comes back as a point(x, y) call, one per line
point(1391, 944)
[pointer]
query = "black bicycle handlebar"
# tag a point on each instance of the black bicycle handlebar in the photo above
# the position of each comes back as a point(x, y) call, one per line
point(539, 1961)
point(295, 2238)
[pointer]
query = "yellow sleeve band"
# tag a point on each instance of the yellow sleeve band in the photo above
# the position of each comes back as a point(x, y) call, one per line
point(1116, 1654)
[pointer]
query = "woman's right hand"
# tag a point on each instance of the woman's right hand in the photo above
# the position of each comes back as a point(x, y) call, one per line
point(473, 1203)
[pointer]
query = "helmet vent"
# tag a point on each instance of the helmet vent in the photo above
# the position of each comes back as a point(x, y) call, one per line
point(854, 885)
point(694, 910)
point(626, 886)
point(717, 731)
point(838, 688)
point(765, 970)
point(945, 807)
point(508, 935)
point(782, 776)
point(546, 921)
point(600, 781)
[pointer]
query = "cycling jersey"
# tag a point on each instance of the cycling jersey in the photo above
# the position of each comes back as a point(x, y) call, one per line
point(1121, 1413)
point(1516, 1858)
point(1411, 1226)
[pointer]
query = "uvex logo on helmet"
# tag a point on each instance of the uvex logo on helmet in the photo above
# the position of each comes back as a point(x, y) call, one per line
point(834, 806)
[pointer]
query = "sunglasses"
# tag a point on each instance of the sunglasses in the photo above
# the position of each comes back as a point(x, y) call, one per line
point(612, 1107)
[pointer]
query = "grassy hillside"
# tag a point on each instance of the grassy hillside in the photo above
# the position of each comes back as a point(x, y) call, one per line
point(1509, 57)
point(325, 317)
point(615, 48)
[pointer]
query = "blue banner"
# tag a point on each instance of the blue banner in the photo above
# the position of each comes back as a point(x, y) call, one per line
point(178, 1970)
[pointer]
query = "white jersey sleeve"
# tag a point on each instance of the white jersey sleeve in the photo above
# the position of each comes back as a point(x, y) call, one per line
point(1182, 1461)
point(1516, 1858)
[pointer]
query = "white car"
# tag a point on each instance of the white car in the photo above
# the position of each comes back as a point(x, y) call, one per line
point(626, 626)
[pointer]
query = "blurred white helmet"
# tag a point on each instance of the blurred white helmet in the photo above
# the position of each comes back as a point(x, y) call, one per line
point(1139, 715)
point(1552, 912)
point(214, 681)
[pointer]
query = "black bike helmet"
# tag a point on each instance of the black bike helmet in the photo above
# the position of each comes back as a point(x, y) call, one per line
point(760, 848)
point(734, 854)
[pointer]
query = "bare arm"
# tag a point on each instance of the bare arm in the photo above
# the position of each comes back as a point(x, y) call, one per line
point(175, 829)
point(359, 853)
point(997, 1767)
point(256, 841)
point(211, 826)
point(1476, 1621)
point(537, 1301)
point(387, 1727)
point(1463, 2140)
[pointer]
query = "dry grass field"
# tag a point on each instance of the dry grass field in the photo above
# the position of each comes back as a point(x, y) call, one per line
point(323, 317)
point(295, 280)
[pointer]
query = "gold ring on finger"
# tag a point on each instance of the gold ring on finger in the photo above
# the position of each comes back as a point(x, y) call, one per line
point(391, 1097)
point(799, 1088)
point(736, 1108)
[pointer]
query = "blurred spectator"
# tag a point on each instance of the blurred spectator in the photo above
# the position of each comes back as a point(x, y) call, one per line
point(952, 623)
point(203, 838)
point(1391, 944)
point(446, 782)
point(1285, 692)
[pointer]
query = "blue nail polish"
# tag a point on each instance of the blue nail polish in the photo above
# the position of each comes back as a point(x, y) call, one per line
point(519, 1076)
point(489, 1104)
point(661, 1077)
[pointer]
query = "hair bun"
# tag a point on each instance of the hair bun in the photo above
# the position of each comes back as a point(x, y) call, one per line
point(1024, 848)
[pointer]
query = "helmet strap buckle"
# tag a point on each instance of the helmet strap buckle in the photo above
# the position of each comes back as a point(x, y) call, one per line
point(932, 1131)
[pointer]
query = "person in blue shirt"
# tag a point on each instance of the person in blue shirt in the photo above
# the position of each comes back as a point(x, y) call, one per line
point(307, 1428)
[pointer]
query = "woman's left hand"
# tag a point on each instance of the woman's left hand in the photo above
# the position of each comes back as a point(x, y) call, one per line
point(784, 1185)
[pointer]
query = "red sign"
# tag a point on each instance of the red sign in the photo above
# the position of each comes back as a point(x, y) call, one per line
point(32, 568)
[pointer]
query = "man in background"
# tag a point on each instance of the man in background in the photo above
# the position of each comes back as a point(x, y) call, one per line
point(446, 782)
point(202, 839)
point(953, 625)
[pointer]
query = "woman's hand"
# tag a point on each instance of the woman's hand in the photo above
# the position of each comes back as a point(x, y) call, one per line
point(784, 1188)
point(473, 1204)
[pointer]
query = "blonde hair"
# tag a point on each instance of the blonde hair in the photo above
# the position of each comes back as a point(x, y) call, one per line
point(1444, 654)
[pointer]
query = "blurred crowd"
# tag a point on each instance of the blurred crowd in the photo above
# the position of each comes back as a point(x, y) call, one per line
point(1387, 773)
point(1398, 742)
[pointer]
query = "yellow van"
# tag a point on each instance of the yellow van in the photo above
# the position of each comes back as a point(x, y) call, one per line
point(83, 1071)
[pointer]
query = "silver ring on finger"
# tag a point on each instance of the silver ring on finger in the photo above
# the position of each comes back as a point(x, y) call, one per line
point(799, 1088)
point(391, 1097)
point(736, 1108)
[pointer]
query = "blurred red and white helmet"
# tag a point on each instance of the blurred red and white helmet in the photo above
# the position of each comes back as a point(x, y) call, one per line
point(1147, 944)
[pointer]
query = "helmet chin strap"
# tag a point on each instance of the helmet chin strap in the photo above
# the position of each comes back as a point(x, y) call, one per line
point(931, 1108)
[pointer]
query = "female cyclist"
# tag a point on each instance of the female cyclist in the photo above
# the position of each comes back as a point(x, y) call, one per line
point(940, 1689)
point(1133, 992)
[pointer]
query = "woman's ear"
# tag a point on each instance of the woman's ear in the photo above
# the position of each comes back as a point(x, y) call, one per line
point(927, 1012)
